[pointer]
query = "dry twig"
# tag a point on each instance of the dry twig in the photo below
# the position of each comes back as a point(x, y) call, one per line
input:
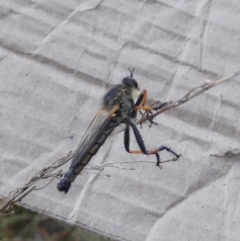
point(47, 172)
point(190, 95)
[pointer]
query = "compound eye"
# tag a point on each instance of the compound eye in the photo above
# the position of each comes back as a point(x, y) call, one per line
point(135, 83)
point(130, 82)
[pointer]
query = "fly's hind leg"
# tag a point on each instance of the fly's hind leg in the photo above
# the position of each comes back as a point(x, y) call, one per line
point(141, 144)
point(161, 148)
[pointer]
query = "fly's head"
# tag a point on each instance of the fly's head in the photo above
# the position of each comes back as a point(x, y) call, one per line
point(128, 92)
point(132, 85)
point(130, 82)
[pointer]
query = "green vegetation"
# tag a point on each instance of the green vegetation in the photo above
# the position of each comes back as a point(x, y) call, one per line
point(25, 225)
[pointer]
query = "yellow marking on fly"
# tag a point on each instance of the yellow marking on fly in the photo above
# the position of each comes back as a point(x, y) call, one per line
point(79, 169)
point(101, 139)
point(94, 149)
point(86, 159)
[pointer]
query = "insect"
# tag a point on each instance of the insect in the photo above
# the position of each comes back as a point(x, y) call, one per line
point(120, 105)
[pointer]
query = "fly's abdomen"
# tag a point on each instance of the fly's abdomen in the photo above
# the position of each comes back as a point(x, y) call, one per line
point(93, 149)
point(78, 165)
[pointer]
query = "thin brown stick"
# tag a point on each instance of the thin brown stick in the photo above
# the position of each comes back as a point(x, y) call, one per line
point(18, 194)
point(190, 95)
point(113, 164)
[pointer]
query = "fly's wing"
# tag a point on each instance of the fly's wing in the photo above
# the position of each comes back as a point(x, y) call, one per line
point(118, 129)
point(94, 129)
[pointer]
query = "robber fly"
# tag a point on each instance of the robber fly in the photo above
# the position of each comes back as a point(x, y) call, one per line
point(120, 105)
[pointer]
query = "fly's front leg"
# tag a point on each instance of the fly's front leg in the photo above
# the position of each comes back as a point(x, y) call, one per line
point(161, 105)
point(161, 148)
point(148, 113)
point(141, 144)
point(141, 101)
point(141, 105)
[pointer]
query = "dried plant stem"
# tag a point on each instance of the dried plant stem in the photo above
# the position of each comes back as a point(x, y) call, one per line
point(190, 95)
point(113, 164)
point(47, 172)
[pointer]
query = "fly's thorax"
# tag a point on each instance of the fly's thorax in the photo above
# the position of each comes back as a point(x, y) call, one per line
point(125, 96)
point(117, 95)
point(127, 104)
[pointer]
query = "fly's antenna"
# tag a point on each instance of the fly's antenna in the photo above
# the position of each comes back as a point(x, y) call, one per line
point(131, 72)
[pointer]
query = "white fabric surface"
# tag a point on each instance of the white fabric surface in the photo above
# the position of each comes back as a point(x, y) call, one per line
point(57, 59)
